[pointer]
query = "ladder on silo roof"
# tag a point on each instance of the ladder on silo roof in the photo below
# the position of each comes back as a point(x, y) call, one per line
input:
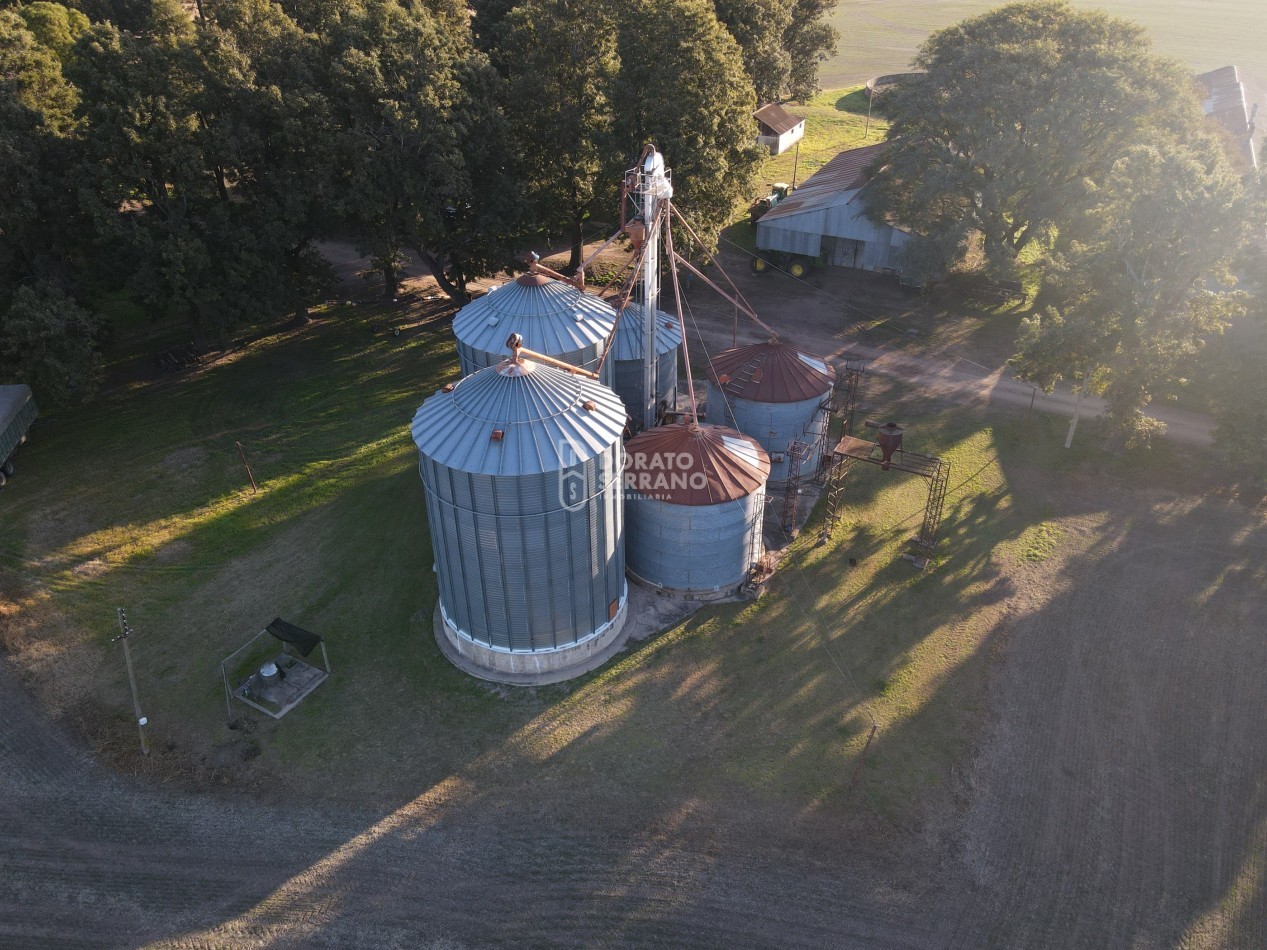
point(734, 385)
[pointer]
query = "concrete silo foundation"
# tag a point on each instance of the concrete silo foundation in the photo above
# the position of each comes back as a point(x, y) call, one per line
point(531, 669)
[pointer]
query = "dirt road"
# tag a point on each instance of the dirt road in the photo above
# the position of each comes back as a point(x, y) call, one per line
point(90, 859)
point(825, 315)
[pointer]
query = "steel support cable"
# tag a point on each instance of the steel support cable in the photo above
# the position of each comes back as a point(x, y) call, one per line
point(826, 643)
point(677, 297)
point(716, 263)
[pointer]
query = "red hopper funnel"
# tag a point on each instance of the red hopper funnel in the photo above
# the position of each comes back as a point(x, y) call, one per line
point(889, 438)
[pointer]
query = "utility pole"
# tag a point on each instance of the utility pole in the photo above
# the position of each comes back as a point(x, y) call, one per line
point(870, 99)
point(1077, 408)
point(254, 488)
point(141, 722)
point(796, 163)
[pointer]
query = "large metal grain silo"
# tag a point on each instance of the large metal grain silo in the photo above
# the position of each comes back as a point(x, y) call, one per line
point(553, 318)
point(521, 465)
point(627, 359)
point(774, 393)
point(694, 498)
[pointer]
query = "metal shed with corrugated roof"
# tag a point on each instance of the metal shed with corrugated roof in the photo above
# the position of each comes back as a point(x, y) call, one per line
point(772, 392)
point(1238, 103)
point(554, 318)
point(694, 499)
point(521, 465)
point(824, 218)
point(627, 355)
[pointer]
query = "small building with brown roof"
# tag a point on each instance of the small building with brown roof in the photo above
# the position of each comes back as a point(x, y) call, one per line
point(777, 129)
point(1237, 102)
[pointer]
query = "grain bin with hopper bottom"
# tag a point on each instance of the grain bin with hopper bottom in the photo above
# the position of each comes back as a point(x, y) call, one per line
point(774, 393)
point(521, 466)
point(694, 500)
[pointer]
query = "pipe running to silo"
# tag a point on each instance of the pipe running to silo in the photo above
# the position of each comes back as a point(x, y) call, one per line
point(518, 350)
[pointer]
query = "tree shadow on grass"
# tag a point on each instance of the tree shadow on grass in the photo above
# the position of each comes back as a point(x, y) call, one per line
point(857, 103)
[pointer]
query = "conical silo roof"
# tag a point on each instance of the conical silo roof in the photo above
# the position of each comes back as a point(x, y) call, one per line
point(551, 316)
point(547, 419)
point(629, 334)
point(689, 464)
point(771, 372)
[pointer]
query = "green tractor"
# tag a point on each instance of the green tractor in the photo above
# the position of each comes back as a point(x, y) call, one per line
point(798, 265)
point(778, 192)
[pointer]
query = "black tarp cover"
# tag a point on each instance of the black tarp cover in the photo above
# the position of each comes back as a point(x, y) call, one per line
point(304, 641)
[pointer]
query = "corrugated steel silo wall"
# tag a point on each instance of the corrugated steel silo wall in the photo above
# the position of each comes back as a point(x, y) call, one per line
point(693, 547)
point(627, 381)
point(472, 359)
point(776, 425)
point(516, 569)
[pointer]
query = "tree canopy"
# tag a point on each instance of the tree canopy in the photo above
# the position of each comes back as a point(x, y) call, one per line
point(781, 42)
point(682, 86)
point(1015, 121)
point(583, 103)
point(190, 160)
point(1148, 282)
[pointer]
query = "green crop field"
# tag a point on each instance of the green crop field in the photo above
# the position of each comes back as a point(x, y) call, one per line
point(879, 36)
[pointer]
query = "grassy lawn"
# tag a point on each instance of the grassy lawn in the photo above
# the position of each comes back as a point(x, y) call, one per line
point(880, 36)
point(140, 500)
point(835, 120)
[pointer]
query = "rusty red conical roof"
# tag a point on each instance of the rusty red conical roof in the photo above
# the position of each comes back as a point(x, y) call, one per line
point(771, 372)
point(688, 464)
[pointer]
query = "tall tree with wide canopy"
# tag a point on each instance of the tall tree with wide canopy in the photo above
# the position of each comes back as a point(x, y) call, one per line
point(558, 105)
point(1149, 281)
point(46, 338)
point(36, 121)
point(159, 194)
point(682, 85)
point(421, 144)
point(265, 124)
point(1015, 120)
point(782, 42)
